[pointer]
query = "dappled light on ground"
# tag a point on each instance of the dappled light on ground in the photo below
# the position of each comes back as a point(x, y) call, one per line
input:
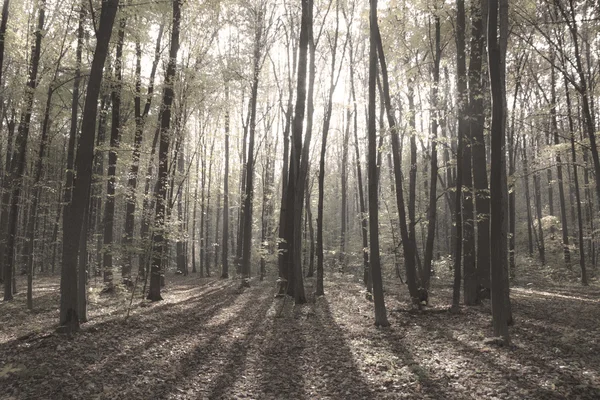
point(208, 339)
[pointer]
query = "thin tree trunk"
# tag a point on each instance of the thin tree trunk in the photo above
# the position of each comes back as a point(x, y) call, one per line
point(408, 245)
point(584, 278)
point(225, 256)
point(431, 214)
point(140, 120)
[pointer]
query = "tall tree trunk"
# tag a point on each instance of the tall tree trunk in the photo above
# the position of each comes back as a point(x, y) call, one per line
point(29, 247)
point(333, 79)
point(18, 160)
point(115, 134)
point(140, 120)
point(249, 194)
point(478, 151)
point(584, 278)
point(499, 278)
point(298, 166)
point(207, 241)
point(408, 245)
point(160, 243)
point(527, 197)
point(559, 173)
point(461, 87)
point(431, 214)
point(74, 211)
point(364, 229)
point(225, 256)
point(374, 262)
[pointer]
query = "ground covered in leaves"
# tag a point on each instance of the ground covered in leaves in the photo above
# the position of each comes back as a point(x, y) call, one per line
point(209, 340)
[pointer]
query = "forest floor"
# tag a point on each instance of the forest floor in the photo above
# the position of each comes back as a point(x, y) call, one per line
point(209, 340)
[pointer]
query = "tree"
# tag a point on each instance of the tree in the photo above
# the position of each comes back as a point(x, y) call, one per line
point(498, 11)
point(115, 134)
point(17, 167)
point(258, 60)
point(374, 259)
point(159, 241)
point(74, 211)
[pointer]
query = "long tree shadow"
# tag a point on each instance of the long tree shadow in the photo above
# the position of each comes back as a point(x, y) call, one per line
point(113, 352)
point(435, 388)
point(334, 360)
point(281, 364)
point(523, 370)
point(216, 360)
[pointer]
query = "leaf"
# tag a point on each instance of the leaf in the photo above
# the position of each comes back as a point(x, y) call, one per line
point(9, 369)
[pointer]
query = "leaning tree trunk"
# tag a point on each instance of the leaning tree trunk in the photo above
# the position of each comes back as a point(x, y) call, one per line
point(74, 211)
point(408, 245)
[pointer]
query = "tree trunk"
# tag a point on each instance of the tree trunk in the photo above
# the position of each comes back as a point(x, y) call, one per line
point(225, 256)
point(74, 211)
point(298, 167)
point(584, 278)
point(159, 243)
point(375, 262)
point(115, 134)
point(140, 120)
point(18, 162)
point(478, 151)
point(559, 173)
point(324, 134)
point(408, 245)
point(498, 235)
point(431, 214)
point(527, 198)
